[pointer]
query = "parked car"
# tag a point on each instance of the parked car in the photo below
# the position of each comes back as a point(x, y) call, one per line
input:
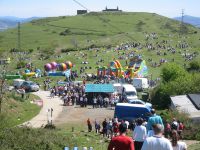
point(17, 83)
point(30, 86)
point(138, 101)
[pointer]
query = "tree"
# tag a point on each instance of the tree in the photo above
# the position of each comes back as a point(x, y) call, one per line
point(171, 72)
point(194, 65)
point(2, 86)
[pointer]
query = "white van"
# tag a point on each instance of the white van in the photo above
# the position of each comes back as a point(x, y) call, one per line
point(140, 83)
point(129, 91)
point(117, 88)
point(17, 83)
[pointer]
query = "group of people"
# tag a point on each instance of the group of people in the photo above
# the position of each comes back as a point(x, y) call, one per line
point(146, 135)
point(149, 136)
point(70, 93)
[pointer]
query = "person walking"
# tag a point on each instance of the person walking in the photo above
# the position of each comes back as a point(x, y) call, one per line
point(121, 142)
point(154, 119)
point(139, 134)
point(158, 141)
point(176, 144)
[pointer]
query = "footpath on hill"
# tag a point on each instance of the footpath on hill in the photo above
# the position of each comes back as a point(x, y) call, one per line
point(44, 115)
point(65, 114)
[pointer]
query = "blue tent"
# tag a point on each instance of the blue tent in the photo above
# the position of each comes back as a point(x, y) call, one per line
point(99, 88)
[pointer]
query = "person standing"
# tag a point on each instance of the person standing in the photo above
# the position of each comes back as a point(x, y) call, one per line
point(89, 125)
point(94, 102)
point(97, 126)
point(158, 141)
point(176, 144)
point(174, 125)
point(105, 125)
point(121, 142)
point(154, 119)
point(139, 134)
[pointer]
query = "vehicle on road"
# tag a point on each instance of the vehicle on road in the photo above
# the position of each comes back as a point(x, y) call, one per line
point(130, 112)
point(138, 101)
point(140, 83)
point(129, 92)
point(30, 86)
point(17, 83)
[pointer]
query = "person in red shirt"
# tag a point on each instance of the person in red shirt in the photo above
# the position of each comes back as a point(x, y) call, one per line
point(121, 142)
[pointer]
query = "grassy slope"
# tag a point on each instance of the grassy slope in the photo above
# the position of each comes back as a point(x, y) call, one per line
point(107, 28)
point(99, 29)
point(17, 110)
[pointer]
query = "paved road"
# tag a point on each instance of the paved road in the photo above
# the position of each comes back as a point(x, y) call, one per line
point(48, 103)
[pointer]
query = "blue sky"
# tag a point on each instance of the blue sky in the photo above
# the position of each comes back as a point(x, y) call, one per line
point(43, 8)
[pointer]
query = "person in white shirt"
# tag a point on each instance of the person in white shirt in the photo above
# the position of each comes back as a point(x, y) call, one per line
point(139, 134)
point(176, 144)
point(158, 141)
point(127, 124)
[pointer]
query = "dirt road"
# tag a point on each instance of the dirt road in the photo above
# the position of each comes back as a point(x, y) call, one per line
point(45, 113)
point(65, 114)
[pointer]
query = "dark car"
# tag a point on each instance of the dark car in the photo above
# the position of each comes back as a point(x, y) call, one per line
point(30, 86)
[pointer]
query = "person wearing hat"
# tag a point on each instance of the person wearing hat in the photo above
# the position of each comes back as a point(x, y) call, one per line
point(121, 142)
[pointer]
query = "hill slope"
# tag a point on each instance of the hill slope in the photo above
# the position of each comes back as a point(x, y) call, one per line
point(108, 28)
point(46, 39)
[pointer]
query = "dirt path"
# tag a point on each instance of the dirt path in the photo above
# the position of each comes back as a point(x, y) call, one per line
point(65, 114)
point(48, 103)
point(74, 115)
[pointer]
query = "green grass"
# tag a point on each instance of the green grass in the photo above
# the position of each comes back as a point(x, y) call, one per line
point(100, 29)
point(194, 146)
point(40, 139)
point(17, 110)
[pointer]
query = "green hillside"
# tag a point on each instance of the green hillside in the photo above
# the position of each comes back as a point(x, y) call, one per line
point(47, 37)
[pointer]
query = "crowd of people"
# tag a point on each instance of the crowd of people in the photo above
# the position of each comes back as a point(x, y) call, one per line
point(151, 134)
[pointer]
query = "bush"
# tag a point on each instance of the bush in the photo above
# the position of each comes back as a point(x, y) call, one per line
point(21, 64)
point(33, 139)
point(172, 71)
point(194, 65)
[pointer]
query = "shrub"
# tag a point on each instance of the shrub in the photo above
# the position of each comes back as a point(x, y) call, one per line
point(172, 71)
point(194, 65)
point(21, 64)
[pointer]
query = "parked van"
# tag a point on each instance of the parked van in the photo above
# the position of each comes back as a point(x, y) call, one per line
point(140, 83)
point(17, 83)
point(117, 88)
point(129, 112)
point(129, 92)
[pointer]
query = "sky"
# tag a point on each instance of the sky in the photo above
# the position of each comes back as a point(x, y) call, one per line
point(46, 8)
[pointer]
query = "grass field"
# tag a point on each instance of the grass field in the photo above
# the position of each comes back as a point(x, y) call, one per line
point(18, 110)
point(102, 30)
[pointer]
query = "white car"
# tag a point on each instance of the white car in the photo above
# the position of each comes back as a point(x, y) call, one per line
point(138, 101)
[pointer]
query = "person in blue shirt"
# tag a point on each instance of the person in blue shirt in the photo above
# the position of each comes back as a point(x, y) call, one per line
point(154, 119)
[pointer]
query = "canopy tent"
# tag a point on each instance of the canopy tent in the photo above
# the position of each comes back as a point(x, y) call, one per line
point(99, 88)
